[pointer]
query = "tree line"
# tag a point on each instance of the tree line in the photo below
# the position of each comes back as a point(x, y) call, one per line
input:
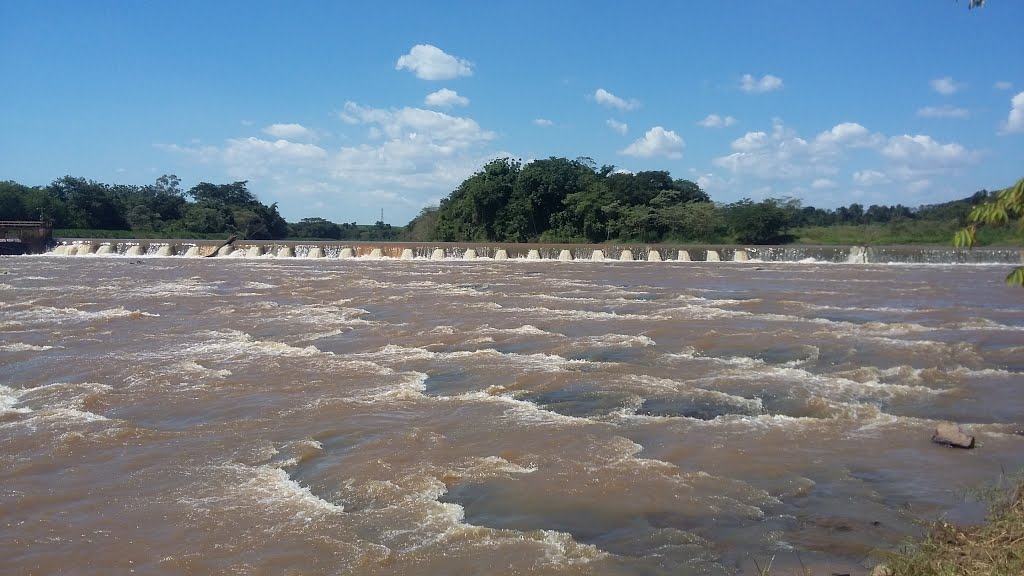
point(548, 200)
point(562, 200)
point(164, 209)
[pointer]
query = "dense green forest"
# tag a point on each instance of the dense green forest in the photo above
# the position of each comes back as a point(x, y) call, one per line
point(561, 200)
point(550, 200)
point(80, 207)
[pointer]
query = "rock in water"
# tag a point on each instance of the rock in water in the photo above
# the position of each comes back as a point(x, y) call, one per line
point(951, 435)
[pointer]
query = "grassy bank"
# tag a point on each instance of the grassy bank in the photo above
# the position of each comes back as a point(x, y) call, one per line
point(995, 548)
point(910, 232)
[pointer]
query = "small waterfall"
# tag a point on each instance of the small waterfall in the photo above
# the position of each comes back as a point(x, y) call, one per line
point(315, 252)
point(565, 256)
point(60, 250)
point(740, 255)
point(533, 255)
point(254, 252)
point(286, 252)
point(166, 250)
point(501, 254)
point(192, 252)
point(713, 256)
point(683, 256)
point(106, 249)
point(626, 255)
point(653, 256)
point(407, 254)
point(135, 250)
point(858, 255)
point(225, 250)
point(597, 256)
point(437, 254)
point(376, 253)
point(469, 254)
point(347, 253)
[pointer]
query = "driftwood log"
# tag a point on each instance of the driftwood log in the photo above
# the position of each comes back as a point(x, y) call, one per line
point(230, 239)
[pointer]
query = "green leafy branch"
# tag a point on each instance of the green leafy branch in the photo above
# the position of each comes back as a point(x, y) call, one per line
point(1007, 205)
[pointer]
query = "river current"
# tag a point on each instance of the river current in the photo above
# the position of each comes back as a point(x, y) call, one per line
point(374, 416)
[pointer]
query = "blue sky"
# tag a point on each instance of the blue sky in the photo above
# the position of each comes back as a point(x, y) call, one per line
point(344, 109)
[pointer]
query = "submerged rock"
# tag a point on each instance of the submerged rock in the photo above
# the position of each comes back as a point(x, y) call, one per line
point(950, 434)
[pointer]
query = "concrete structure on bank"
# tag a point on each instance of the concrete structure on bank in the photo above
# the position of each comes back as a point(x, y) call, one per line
point(481, 251)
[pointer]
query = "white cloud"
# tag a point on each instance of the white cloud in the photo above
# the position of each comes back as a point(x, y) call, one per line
point(542, 122)
point(716, 121)
point(922, 149)
point(1003, 85)
point(417, 122)
point(822, 184)
point(417, 157)
point(918, 186)
point(290, 132)
point(606, 98)
point(620, 127)
point(945, 86)
point(656, 142)
point(766, 83)
point(1015, 121)
point(870, 178)
point(445, 98)
point(431, 63)
point(783, 155)
point(946, 111)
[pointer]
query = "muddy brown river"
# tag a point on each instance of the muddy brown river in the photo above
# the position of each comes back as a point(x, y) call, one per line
point(391, 417)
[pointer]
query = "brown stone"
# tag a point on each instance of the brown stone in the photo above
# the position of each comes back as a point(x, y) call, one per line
point(951, 435)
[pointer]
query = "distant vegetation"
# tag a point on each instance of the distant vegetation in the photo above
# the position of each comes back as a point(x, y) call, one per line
point(562, 200)
point(551, 200)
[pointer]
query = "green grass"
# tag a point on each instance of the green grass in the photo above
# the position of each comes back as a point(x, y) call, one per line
point(995, 548)
point(910, 232)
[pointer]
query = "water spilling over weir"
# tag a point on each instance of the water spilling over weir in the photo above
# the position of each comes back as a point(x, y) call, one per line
point(555, 252)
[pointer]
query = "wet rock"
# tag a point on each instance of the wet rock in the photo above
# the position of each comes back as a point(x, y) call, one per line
point(950, 434)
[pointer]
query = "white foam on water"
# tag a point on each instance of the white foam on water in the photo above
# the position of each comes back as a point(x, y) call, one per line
point(538, 361)
point(981, 324)
point(548, 313)
point(259, 285)
point(22, 347)
point(521, 411)
point(65, 315)
point(265, 489)
point(487, 467)
point(10, 400)
point(401, 386)
point(230, 344)
point(627, 340)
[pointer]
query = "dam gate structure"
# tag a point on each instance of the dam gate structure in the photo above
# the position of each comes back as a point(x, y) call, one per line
point(25, 237)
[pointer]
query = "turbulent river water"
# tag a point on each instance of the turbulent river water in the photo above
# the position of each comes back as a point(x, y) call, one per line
point(299, 416)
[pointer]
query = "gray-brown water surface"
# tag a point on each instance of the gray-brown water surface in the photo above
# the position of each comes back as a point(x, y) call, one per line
point(262, 416)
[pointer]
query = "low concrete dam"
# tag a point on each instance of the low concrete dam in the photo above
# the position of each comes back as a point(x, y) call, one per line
point(533, 252)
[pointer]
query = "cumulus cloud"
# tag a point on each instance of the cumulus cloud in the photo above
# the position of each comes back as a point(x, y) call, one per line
point(945, 86)
point(290, 132)
point(656, 142)
point(946, 111)
point(411, 158)
point(766, 83)
point(1015, 121)
point(620, 127)
point(716, 121)
point(542, 122)
point(822, 184)
point(445, 98)
point(783, 155)
point(431, 63)
point(1003, 85)
point(606, 98)
point(870, 178)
